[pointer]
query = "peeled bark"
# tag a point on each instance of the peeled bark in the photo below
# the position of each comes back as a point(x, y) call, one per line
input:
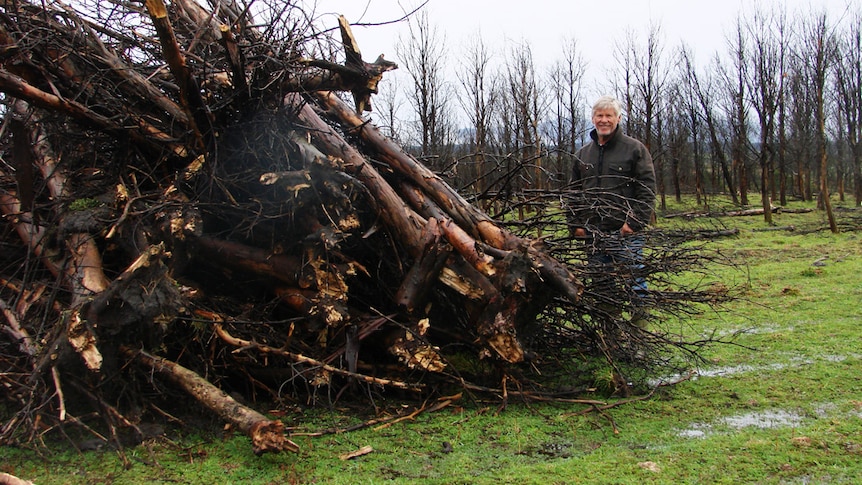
point(425, 270)
point(267, 436)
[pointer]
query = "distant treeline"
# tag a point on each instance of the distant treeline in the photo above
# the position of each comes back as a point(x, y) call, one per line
point(780, 111)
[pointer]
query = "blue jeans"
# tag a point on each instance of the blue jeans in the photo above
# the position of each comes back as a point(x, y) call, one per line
point(622, 256)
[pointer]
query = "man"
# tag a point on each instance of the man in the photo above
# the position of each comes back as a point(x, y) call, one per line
point(614, 182)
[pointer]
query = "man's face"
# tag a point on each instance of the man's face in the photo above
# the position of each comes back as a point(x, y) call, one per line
point(605, 121)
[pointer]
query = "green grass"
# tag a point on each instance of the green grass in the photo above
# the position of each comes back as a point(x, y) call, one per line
point(782, 406)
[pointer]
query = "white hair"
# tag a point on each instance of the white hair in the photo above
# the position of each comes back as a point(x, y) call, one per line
point(608, 102)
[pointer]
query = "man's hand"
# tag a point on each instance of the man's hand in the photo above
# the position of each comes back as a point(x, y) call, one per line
point(626, 230)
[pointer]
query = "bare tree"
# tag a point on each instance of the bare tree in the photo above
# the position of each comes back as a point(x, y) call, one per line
point(819, 49)
point(388, 106)
point(782, 129)
point(566, 86)
point(524, 93)
point(705, 97)
point(848, 83)
point(692, 113)
point(736, 106)
point(422, 55)
point(675, 132)
point(477, 101)
point(645, 76)
point(801, 125)
point(767, 31)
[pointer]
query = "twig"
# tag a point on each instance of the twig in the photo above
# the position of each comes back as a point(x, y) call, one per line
point(442, 403)
point(62, 402)
point(7, 479)
point(266, 435)
point(357, 453)
point(247, 345)
point(407, 414)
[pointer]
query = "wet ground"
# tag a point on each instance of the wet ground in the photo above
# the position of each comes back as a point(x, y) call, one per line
point(764, 419)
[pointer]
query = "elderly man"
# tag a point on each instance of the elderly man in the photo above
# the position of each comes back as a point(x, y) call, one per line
point(614, 184)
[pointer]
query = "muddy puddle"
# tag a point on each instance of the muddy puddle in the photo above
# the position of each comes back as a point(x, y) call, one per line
point(762, 419)
point(754, 330)
point(767, 419)
point(776, 418)
point(728, 371)
point(732, 370)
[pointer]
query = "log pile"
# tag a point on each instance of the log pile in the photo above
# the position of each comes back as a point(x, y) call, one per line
point(189, 201)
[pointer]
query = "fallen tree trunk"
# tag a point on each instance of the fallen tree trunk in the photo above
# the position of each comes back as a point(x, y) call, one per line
point(736, 213)
point(266, 435)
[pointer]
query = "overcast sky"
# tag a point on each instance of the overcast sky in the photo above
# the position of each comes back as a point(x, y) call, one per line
point(597, 25)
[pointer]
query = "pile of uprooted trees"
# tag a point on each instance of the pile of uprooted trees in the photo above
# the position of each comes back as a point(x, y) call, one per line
point(190, 206)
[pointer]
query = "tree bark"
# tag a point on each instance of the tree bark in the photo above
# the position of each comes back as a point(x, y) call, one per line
point(266, 435)
point(465, 215)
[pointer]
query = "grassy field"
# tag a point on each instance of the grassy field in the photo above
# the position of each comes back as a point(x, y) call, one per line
point(782, 406)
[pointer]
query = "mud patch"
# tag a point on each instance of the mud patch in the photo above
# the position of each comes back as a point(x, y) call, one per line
point(549, 450)
point(756, 330)
point(722, 372)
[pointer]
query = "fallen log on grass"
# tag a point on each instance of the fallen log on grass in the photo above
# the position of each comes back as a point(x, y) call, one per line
point(267, 436)
point(736, 212)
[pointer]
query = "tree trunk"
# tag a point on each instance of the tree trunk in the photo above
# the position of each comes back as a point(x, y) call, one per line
point(266, 435)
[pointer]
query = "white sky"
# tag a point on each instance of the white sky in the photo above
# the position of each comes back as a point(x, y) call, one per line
point(544, 24)
point(598, 26)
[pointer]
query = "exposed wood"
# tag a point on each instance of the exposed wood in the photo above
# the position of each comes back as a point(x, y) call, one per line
point(267, 435)
point(7, 479)
point(190, 92)
point(357, 453)
point(465, 245)
point(301, 359)
point(425, 270)
point(467, 216)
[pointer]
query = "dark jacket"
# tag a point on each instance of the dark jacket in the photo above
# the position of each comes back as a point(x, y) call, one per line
point(613, 183)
